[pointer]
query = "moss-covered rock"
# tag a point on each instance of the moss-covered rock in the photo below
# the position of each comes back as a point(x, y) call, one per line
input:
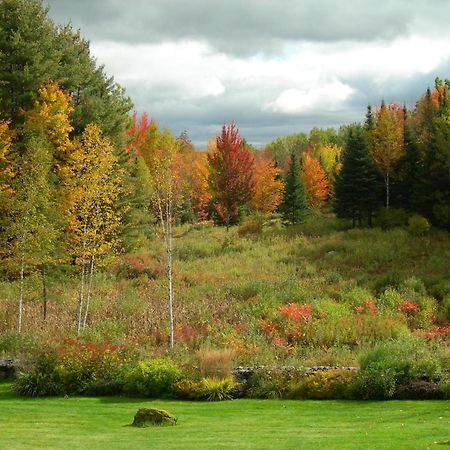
point(147, 417)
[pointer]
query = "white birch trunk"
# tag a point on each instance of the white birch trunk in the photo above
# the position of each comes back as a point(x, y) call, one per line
point(88, 297)
point(20, 306)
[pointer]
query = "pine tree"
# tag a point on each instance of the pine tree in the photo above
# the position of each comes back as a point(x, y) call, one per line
point(357, 187)
point(294, 208)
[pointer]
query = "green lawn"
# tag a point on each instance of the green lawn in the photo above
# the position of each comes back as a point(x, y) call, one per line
point(90, 423)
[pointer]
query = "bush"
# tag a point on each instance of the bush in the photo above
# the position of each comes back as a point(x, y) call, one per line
point(418, 390)
point(252, 225)
point(330, 384)
point(266, 383)
point(418, 225)
point(209, 388)
point(444, 385)
point(155, 378)
point(389, 365)
point(215, 363)
point(392, 217)
point(72, 368)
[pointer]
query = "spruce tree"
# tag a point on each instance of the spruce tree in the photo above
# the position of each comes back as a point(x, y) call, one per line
point(295, 204)
point(357, 187)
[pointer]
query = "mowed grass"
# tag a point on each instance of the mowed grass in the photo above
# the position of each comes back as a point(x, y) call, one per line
point(104, 423)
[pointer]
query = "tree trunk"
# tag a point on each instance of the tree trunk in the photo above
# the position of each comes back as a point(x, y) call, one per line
point(44, 290)
point(81, 293)
point(169, 241)
point(88, 296)
point(19, 312)
point(387, 190)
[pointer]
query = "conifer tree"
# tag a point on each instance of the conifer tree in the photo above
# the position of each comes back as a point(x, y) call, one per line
point(294, 208)
point(357, 187)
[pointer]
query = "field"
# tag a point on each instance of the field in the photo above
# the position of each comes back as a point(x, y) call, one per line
point(363, 286)
point(80, 422)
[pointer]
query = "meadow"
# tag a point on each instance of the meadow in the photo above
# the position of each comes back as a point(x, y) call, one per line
point(315, 293)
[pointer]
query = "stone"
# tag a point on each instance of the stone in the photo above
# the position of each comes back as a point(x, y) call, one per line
point(148, 417)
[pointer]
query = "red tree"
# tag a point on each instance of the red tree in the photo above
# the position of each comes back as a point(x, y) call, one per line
point(230, 173)
point(315, 181)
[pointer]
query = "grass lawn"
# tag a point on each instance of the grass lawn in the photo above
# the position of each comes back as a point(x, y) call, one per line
point(90, 423)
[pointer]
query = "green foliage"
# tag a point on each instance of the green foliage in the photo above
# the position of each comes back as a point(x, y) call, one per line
point(418, 225)
point(294, 208)
point(155, 378)
point(216, 389)
point(72, 368)
point(392, 217)
point(325, 385)
point(392, 364)
point(271, 383)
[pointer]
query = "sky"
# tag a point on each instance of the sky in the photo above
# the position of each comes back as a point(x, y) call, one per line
point(275, 67)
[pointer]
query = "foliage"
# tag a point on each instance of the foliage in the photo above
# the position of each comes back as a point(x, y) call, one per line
point(215, 363)
point(267, 383)
point(295, 205)
point(329, 384)
point(418, 225)
point(315, 182)
point(230, 173)
point(156, 378)
point(72, 367)
point(268, 187)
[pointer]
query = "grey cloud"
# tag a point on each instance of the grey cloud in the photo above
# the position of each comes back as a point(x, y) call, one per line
point(250, 27)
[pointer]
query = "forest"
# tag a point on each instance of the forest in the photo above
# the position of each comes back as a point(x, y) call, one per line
point(122, 242)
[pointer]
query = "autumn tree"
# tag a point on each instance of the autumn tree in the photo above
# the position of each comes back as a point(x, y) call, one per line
point(386, 142)
point(268, 187)
point(93, 219)
point(295, 203)
point(230, 174)
point(314, 181)
point(160, 151)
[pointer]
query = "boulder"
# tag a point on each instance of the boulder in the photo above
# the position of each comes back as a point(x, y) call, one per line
point(147, 417)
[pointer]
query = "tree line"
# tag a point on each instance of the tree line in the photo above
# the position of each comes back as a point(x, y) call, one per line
point(82, 180)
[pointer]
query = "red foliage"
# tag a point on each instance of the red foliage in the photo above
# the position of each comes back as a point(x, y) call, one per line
point(297, 312)
point(137, 132)
point(241, 326)
point(408, 307)
point(230, 173)
point(368, 307)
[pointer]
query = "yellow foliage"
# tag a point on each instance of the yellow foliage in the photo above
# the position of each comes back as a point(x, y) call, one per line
point(6, 172)
point(269, 189)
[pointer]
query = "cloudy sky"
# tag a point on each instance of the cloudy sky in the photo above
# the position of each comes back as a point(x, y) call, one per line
point(276, 67)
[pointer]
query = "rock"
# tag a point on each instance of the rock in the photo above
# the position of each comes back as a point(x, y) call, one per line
point(8, 369)
point(148, 417)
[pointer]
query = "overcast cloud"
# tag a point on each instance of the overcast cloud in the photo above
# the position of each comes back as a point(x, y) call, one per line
point(275, 67)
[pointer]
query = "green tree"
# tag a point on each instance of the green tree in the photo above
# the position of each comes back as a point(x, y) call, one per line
point(357, 187)
point(295, 203)
point(31, 229)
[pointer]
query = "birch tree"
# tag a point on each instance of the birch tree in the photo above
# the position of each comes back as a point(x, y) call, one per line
point(160, 152)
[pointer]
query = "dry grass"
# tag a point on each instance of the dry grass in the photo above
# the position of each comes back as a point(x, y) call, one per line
point(215, 363)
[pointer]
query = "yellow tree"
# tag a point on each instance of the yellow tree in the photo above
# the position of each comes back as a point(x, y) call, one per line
point(93, 218)
point(386, 142)
point(268, 187)
point(160, 151)
point(49, 119)
point(6, 172)
point(315, 181)
point(329, 155)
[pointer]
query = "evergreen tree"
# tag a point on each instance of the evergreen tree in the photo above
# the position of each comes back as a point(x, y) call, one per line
point(357, 187)
point(295, 203)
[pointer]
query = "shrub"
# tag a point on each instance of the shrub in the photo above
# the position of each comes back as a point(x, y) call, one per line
point(42, 378)
point(444, 385)
point(418, 390)
point(391, 364)
point(134, 265)
point(71, 368)
point(215, 363)
point(392, 217)
point(266, 383)
point(208, 388)
point(252, 225)
point(418, 225)
point(154, 378)
point(331, 384)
